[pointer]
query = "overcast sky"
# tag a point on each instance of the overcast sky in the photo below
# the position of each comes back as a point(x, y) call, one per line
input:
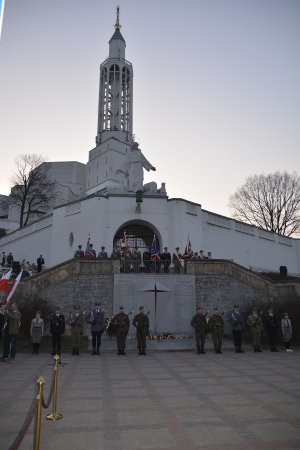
point(216, 87)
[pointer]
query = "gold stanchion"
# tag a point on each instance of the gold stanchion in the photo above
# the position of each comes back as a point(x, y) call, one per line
point(54, 415)
point(40, 382)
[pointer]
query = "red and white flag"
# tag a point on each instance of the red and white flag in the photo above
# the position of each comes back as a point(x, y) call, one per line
point(188, 252)
point(13, 287)
point(4, 280)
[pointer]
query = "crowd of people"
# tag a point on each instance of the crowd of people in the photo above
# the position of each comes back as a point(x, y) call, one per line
point(136, 261)
point(118, 326)
point(256, 322)
point(8, 262)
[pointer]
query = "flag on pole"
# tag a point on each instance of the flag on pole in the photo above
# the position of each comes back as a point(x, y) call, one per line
point(154, 253)
point(124, 243)
point(188, 252)
point(4, 281)
point(14, 287)
point(88, 252)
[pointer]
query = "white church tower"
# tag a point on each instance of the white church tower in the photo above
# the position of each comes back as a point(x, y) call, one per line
point(116, 164)
point(114, 134)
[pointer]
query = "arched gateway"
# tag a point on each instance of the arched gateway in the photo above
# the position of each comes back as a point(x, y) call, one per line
point(138, 234)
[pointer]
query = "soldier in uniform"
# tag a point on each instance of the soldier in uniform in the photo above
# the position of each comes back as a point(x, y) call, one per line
point(216, 328)
point(236, 319)
point(11, 329)
point(255, 324)
point(166, 259)
point(177, 257)
point(199, 323)
point(121, 323)
point(96, 319)
point(141, 323)
point(77, 324)
point(79, 252)
point(103, 254)
point(57, 329)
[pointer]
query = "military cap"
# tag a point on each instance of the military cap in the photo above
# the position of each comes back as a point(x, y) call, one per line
point(236, 305)
point(97, 303)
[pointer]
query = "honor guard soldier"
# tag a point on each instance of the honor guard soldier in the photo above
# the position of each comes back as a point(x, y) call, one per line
point(57, 329)
point(237, 325)
point(199, 323)
point(77, 324)
point(216, 328)
point(96, 319)
point(141, 323)
point(103, 254)
point(121, 323)
point(255, 324)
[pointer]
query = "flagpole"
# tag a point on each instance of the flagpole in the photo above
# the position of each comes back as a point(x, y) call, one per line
point(155, 299)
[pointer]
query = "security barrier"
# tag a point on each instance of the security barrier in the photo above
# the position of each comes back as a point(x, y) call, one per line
point(36, 407)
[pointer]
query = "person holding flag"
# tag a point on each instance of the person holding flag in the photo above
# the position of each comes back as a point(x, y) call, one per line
point(89, 251)
point(13, 287)
point(3, 284)
point(154, 256)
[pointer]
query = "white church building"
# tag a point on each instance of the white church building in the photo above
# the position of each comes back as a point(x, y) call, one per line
point(107, 197)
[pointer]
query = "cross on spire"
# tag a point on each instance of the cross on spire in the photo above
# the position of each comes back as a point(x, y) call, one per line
point(117, 24)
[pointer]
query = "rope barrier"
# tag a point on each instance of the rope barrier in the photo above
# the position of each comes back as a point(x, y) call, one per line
point(37, 404)
point(47, 403)
point(27, 422)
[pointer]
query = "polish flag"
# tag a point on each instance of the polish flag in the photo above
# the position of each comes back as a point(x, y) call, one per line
point(4, 280)
point(14, 287)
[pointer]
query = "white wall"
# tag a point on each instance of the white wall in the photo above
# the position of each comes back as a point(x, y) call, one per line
point(172, 220)
point(29, 242)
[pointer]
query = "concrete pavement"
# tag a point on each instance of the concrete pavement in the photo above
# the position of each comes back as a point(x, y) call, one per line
point(165, 400)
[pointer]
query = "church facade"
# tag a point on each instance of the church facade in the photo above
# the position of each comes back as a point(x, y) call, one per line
point(117, 203)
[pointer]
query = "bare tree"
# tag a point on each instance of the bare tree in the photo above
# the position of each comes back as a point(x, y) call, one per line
point(33, 188)
point(269, 201)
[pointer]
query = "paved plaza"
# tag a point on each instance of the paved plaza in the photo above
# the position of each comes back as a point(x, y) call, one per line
point(167, 400)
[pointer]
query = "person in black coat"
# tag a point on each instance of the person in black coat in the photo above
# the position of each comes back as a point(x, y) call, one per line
point(57, 329)
point(40, 262)
point(166, 259)
point(271, 325)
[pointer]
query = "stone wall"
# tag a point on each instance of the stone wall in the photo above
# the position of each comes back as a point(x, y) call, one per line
point(210, 284)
